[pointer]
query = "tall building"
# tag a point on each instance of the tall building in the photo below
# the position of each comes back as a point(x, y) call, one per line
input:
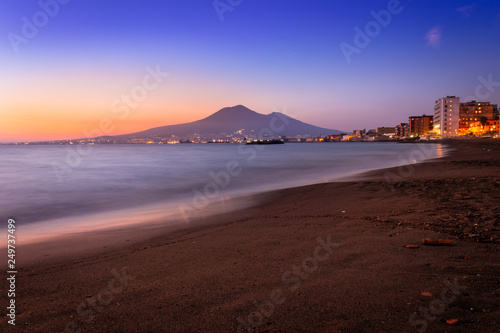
point(420, 125)
point(447, 116)
point(402, 130)
point(472, 111)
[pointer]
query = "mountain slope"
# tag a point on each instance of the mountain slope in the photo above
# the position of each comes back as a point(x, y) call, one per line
point(232, 119)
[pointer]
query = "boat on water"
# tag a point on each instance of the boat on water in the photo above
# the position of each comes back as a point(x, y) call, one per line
point(265, 142)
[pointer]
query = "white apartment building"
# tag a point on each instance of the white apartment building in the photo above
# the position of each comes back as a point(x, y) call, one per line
point(447, 116)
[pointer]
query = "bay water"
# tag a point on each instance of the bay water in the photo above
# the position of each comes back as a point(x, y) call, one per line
point(52, 190)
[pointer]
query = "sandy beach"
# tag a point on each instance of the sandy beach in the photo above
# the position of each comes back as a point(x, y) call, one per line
point(321, 258)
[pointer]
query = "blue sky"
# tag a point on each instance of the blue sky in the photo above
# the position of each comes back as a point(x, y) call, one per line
point(267, 55)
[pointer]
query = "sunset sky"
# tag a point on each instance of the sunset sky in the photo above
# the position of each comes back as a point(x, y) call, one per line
point(62, 78)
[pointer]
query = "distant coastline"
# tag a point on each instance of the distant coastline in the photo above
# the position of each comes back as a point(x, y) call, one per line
point(301, 140)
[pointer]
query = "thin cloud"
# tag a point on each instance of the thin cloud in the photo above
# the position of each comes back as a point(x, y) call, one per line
point(434, 37)
point(466, 10)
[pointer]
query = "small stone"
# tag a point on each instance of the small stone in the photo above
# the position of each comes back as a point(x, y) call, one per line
point(426, 293)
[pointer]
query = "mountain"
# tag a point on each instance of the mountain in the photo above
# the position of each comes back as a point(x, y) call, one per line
point(233, 119)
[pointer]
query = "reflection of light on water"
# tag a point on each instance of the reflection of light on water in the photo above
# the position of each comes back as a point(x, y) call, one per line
point(39, 231)
point(150, 216)
point(440, 151)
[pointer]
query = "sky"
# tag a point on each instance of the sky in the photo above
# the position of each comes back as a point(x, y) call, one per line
point(75, 68)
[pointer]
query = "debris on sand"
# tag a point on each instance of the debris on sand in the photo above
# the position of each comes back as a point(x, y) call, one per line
point(438, 242)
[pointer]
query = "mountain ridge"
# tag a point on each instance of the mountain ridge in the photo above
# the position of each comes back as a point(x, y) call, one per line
point(230, 120)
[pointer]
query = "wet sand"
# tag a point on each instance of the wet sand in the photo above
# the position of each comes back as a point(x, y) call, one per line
point(321, 258)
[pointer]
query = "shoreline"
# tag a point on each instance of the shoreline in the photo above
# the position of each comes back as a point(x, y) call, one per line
point(264, 260)
point(97, 240)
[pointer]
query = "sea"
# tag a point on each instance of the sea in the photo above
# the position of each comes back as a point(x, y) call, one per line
point(56, 190)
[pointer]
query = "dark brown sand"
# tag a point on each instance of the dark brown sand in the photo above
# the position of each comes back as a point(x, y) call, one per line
point(321, 258)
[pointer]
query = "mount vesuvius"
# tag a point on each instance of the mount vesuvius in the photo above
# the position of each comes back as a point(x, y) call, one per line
point(233, 119)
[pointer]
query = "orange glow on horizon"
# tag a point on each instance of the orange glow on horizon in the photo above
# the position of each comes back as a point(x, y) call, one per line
point(30, 126)
point(76, 100)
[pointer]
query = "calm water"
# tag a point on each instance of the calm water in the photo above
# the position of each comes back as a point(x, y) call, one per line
point(59, 189)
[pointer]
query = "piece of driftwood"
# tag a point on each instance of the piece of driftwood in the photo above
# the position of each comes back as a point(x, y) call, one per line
point(438, 242)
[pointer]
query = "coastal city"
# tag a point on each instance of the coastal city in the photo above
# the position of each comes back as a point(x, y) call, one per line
point(451, 119)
